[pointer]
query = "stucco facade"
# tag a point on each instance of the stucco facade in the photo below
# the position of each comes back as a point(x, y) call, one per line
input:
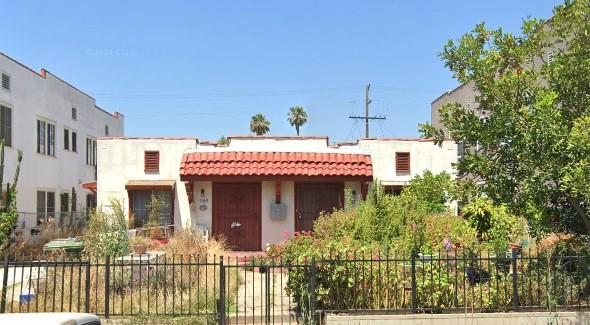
point(122, 162)
point(33, 97)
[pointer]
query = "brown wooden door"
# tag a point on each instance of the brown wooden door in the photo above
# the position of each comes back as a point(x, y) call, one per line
point(236, 214)
point(311, 199)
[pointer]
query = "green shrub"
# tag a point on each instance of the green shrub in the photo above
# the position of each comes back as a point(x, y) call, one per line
point(446, 231)
point(106, 233)
point(495, 226)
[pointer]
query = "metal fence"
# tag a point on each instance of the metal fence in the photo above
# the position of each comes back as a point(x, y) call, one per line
point(237, 291)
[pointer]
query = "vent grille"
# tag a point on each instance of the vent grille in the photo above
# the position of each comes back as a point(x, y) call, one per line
point(6, 81)
point(402, 162)
point(152, 161)
point(74, 114)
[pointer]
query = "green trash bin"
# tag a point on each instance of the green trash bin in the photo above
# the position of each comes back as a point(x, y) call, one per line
point(68, 245)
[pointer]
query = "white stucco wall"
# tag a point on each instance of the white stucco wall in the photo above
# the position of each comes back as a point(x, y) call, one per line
point(34, 96)
point(122, 159)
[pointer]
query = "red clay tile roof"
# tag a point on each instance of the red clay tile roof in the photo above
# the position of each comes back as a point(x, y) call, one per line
point(239, 163)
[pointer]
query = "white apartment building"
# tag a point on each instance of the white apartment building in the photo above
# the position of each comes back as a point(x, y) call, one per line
point(56, 126)
point(255, 189)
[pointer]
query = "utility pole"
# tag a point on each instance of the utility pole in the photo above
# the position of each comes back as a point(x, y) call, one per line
point(367, 117)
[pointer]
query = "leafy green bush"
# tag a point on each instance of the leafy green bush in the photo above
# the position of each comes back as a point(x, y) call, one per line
point(106, 233)
point(495, 226)
point(435, 191)
point(447, 231)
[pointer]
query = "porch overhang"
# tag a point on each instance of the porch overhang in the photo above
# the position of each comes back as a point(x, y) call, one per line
point(275, 166)
point(156, 185)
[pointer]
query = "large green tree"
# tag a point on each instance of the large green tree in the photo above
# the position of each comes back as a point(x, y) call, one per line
point(297, 117)
point(527, 140)
point(259, 124)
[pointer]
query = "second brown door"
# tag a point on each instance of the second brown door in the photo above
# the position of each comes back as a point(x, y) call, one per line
point(311, 199)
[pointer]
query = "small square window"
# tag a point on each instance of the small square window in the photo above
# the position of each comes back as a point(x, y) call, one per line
point(74, 114)
point(5, 81)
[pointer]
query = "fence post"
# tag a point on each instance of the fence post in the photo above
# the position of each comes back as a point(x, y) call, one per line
point(413, 270)
point(312, 286)
point(515, 299)
point(87, 289)
point(267, 296)
point(221, 301)
point(4, 285)
point(107, 286)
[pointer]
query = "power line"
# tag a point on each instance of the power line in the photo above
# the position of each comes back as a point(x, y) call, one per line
point(368, 101)
point(183, 96)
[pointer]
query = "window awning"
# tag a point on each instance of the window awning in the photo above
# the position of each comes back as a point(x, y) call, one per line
point(288, 165)
point(149, 184)
point(91, 186)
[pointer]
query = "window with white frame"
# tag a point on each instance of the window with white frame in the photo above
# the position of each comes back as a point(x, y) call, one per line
point(74, 143)
point(70, 140)
point(45, 206)
point(90, 152)
point(66, 139)
point(6, 125)
point(45, 138)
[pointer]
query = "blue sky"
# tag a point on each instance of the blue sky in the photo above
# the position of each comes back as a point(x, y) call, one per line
point(189, 68)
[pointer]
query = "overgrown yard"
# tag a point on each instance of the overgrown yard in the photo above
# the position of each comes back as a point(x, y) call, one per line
point(410, 253)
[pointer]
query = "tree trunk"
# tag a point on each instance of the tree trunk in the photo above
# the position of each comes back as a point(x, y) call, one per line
point(297, 129)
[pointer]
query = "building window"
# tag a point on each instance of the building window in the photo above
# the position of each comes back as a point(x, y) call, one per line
point(74, 114)
point(90, 203)
point(70, 140)
point(393, 189)
point(402, 162)
point(5, 81)
point(66, 139)
point(142, 204)
point(152, 161)
point(74, 141)
point(45, 138)
point(6, 125)
point(106, 130)
point(45, 206)
point(90, 152)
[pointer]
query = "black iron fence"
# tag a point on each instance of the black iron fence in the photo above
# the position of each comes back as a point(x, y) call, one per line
point(238, 291)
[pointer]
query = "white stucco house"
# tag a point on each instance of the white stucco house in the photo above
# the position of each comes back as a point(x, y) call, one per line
point(56, 126)
point(255, 189)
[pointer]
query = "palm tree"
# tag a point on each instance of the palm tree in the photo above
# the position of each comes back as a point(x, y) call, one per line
point(297, 117)
point(259, 124)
